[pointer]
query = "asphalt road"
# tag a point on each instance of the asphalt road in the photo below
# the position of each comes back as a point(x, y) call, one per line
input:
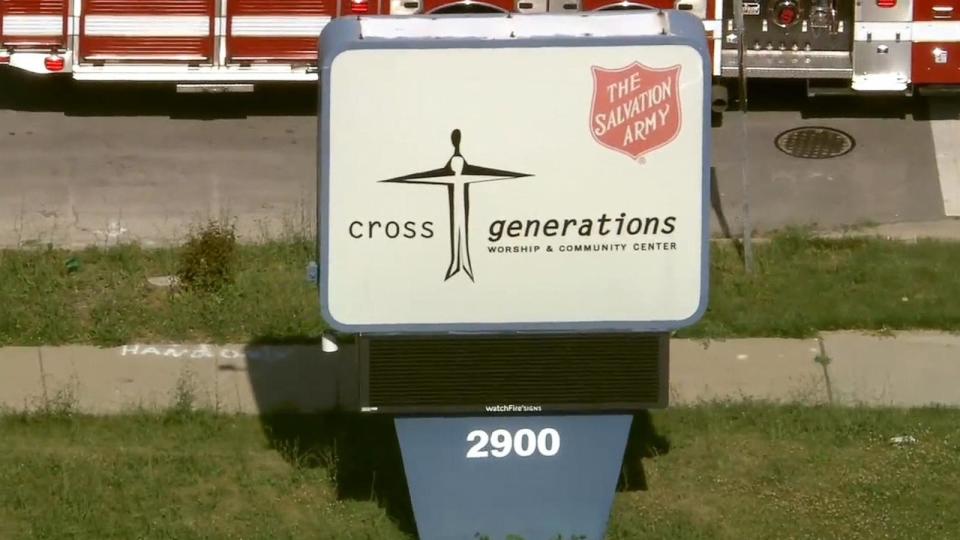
point(890, 176)
point(99, 164)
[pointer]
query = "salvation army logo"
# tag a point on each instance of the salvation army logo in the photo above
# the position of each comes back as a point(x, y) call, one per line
point(457, 176)
point(636, 109)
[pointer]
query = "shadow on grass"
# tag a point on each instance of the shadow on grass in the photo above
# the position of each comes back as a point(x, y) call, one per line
point(306, 398)
point(643, 443)
point(301, 393)
point(361, 454)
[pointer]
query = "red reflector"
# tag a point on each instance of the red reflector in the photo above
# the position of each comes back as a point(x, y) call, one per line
point(4, 59)
point(53, 63)
point(886, 3)
point(359, 6)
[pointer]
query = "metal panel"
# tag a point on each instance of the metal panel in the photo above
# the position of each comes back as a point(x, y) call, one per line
point(284, 31)
point(875, 11)
point(468, 6)
point(147, 25)
point(936, 10)
point(272, 49)
point(789, 64)
point(936, 45)
point(147, 31)
point(279, 26)
point(881, 65)
point(815, 44)
point(282, 7)
point(27, 23)
point(33, 7)
point(936, 63)
point(561, 6)
point(32, 25)
point(402, 7)
point(532, 6)
point(148, 7)
point(816, 28)
point(145, 49)
point(609, 5)
point(936, 37)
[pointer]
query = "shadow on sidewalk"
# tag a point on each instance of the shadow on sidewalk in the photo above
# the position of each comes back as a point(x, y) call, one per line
point(306, 397)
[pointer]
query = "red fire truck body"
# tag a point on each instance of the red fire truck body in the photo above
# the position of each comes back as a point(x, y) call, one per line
point(868, 46)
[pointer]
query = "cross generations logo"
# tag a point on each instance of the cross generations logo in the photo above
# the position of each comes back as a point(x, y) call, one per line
point(457, 175)
point(635, 109)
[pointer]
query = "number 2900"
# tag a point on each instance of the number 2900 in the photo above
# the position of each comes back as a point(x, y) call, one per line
point(523, 443)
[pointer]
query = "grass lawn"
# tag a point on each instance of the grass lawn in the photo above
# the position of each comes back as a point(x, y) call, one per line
point(801, 285)
point(722, 471)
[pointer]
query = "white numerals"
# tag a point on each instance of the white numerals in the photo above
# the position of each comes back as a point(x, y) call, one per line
point(523, 443)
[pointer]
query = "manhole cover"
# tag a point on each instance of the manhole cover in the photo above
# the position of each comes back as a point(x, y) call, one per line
point(814, 142)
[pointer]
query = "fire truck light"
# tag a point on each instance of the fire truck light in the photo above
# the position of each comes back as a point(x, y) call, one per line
point(787, 16)
point(886, 3)
point(785, 13)
point(53, 63)
point(359, 6)
point(4, 59)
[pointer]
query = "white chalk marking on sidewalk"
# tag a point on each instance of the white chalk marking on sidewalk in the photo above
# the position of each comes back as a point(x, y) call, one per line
point(203, 351)
point(946, 144)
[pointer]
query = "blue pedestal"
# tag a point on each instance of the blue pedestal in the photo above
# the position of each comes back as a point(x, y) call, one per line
point(511, 478)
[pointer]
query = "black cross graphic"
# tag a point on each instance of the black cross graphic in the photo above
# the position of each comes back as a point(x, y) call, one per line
point(457, 175)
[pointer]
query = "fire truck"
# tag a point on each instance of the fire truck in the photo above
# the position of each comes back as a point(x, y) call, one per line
point(853, 46)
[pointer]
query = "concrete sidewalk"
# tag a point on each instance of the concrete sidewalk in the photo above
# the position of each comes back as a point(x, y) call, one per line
point(846, 368)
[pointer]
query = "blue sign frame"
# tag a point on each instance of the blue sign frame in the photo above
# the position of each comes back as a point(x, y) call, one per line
point(344, 34)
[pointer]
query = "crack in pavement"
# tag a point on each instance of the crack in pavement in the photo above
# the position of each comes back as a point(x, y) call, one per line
point(43, 377)
point(824, 360)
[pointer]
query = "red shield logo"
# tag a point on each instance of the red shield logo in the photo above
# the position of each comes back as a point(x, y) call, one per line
point(636, 109)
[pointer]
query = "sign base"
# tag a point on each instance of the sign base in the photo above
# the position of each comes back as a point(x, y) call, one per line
point(512, 477)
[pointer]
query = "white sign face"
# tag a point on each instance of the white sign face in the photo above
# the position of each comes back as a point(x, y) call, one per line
point(515, 186)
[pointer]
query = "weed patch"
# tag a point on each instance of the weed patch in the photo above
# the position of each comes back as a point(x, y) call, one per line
point(208, 259)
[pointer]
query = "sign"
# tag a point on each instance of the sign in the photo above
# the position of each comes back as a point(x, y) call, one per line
point(503, 174)
point(515, 176)
point(513, 477)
